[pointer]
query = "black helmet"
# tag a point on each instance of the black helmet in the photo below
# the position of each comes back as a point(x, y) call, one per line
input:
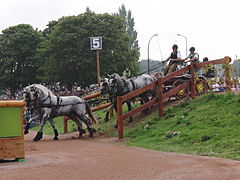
point(175, 46)
point(192, 49)
point(205, 59)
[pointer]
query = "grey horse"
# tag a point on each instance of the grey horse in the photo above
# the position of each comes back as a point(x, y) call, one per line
point(116, 85)
point(50, 106)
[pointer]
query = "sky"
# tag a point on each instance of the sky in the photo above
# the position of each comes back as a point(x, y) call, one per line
point(211, 26)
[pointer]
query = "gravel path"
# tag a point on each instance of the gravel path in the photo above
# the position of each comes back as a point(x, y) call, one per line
point(106, 159)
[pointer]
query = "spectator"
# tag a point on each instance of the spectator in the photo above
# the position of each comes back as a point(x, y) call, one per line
point(210, 71)
point(126, 73)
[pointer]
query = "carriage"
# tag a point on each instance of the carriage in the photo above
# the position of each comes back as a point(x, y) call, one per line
point(201, 84)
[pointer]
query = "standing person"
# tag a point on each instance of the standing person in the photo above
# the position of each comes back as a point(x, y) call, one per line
point(209, 70)
point(193, 57)
point(126, 73)
point(175, 59)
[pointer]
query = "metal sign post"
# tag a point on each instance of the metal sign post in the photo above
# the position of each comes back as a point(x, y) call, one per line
point(96, 44)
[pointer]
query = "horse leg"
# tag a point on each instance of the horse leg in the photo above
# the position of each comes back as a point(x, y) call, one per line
point(79, 124)
point(39, 135)
point(115, 107)
point(153, 93)
point(129, 109)
point(54, 129)
point(85, 119)
point(145, 99)
point(106, 116)
point(27, 126)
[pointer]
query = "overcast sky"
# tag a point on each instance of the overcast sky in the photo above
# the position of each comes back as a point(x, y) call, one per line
point(211, 26)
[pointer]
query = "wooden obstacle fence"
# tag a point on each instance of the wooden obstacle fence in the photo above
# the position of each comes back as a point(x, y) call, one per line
point(11, 130)
point(96, 108)
point(161, 95)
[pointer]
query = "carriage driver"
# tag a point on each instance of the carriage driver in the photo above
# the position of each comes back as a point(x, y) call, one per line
point(175, 59)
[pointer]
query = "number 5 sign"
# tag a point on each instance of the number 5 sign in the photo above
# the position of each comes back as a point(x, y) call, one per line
point(96, 43)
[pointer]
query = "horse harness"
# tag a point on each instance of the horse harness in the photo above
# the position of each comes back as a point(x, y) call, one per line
point(126, 86)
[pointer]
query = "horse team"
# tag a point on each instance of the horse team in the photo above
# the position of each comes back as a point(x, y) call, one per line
point(47, 106)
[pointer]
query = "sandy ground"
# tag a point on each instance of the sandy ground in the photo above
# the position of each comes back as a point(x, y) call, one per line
point(106, 159)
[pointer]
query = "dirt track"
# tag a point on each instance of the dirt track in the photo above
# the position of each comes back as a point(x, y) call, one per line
point(106, 159)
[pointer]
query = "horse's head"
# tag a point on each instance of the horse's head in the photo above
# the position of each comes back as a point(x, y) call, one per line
point(31, 94)
point(108, 84)
point(105, 86)
point(116, 84)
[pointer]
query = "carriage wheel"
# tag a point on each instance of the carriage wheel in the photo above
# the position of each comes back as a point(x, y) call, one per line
point(182, 93)
point(201, 87)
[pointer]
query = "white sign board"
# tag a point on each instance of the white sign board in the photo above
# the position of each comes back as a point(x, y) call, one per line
point(96, 43)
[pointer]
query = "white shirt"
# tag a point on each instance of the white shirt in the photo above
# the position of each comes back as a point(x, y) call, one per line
point(179, 54)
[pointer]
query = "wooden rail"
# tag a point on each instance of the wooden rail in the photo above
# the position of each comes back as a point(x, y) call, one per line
point(91, 96)
point(161, 96)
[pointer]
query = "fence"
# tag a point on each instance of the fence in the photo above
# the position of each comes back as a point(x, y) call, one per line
point(11, 133)
point(161, 95)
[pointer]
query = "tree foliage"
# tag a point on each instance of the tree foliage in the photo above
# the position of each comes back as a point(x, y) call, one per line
point(67, 48)
point(61, 52)
point(130, 23)
point(18, 61)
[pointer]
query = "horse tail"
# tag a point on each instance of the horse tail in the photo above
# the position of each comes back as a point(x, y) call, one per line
point(92, 117)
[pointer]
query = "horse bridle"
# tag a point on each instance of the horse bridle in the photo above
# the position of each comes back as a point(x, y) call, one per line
point(114, 88)
point(35, 100)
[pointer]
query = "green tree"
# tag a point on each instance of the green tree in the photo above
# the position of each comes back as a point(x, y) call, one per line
point(67, 48)
point(18, 61)
point(130, 23)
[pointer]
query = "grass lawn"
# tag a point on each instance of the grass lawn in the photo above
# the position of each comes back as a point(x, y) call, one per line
point(209, 125)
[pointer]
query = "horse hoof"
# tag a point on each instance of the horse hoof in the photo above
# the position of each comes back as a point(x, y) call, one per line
point(81, 132)
point(26, 132)
point(116, 126)
point(106, 119)
point(90, 135)
point(91, 131)
point(55, 138)
point(36, 139)
point(94, 130)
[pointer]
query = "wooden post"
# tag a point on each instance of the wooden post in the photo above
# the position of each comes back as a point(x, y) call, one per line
point(120, 117)
point(65, 125)
point(228, 73)
point(160, 97)
point(193, 84)
point(98, 66)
